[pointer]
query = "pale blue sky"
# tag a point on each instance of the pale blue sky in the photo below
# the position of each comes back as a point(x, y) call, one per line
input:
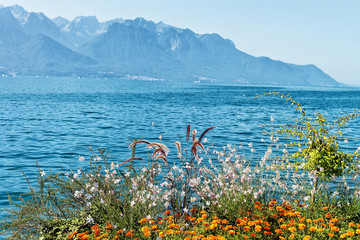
point(321, 32)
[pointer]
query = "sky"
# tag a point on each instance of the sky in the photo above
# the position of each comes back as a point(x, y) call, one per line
point(321, 32)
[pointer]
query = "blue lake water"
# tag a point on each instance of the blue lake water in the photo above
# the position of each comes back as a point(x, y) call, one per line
point(53, 120)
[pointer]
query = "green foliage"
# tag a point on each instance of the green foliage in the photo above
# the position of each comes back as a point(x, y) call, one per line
point(318, 140)
point(66, 202)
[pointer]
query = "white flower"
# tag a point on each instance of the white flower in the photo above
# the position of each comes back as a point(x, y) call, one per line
point(335, 194)
point(132, 203)
point(89, 219)
point(346, 141)
point(307, 198)
point(272, 119)
point(186, 210)
point(77, 194)
point(81, 158)
point(42, 173)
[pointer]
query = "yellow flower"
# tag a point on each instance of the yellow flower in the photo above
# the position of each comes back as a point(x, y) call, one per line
point(258, 228)
point(302, 226)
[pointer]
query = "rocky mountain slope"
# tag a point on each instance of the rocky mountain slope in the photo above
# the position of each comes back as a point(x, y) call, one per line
point(33, 44)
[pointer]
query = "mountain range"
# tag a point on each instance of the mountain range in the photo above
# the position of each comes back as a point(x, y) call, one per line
point(33, 44)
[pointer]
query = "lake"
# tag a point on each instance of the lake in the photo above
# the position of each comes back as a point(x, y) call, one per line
point(52, 121)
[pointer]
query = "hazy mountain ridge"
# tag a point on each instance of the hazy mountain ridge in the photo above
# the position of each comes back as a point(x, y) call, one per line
point(31, 43)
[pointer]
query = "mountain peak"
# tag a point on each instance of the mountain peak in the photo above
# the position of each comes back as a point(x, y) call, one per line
point(61, 22)
point(19, 13)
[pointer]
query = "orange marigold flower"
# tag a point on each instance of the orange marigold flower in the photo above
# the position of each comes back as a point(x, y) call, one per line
point(334, 229)
point(292, 236)
point(253, 234)
point(108, 226)
point(258, 228)
point(71, 235)
point(351, 224)
point(325, 208)
point(350, 234)
point(328, 215)
point(334, 220)
point(129, 233)
point(245, 236)
point(268, 232)
point(307, 237)
point(85, 236)
point(246, 228)
point(330, 234)
point(311, 229)
point(225, 221)
point(343, 235)
point(143, 221)
point(279, 231)
point(231, 232)
point(283, 226)
point(302, 226)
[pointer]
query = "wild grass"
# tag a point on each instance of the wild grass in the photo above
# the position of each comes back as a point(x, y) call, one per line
point(202, 193)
